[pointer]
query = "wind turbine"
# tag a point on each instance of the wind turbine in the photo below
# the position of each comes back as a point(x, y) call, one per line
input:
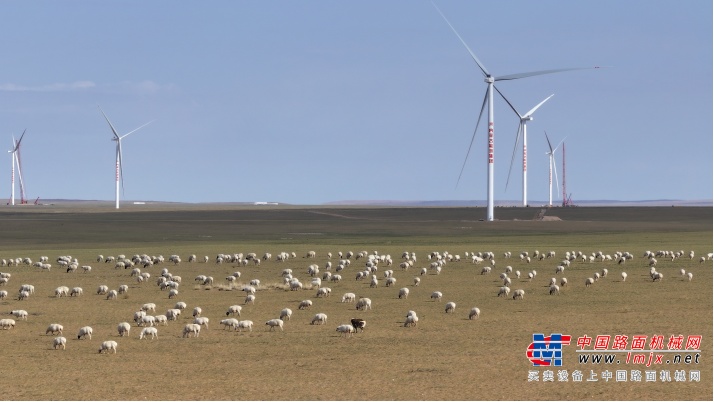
point(15, 156)
point(522, 128)
point(551, 168)
point(118, 138)
point(488, 98)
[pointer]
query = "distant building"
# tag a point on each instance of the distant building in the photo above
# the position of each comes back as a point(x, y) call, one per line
point(264, 203)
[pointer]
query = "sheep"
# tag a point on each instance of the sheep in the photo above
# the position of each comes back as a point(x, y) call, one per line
point(336, 278)
point(552, 282)
point(346, 330)
point(503, 291)
point(250, 299)
point(7, 323)
point(364, 303)
point(61, 291)
point(390, 281)
point(295, 285)
point(658, 276)
point(173, 313)
point(563, 282)
point(123, 328)
point(689, 276)
point(52, 328)
point(358, 323)
point(319, 319)
point(422, 272)
point(275, 322)
point(450, 307)
point(411, 320)
point(111, 295)
point(147, 319)
point(474, 313)
point(485, 270)
point(604, 272)
point(173, 293)
point(234, 309)
point(59, 341)
point(197, 312)
point(324, 292)
point(417, 280)
point(624, 276)
point(590, 281)
point(436, 295)
point(245, 324)
point(3, 294)
point(229, 323)
point(348, 297)
point(85, 332)
point(149, 307)
point(189, 329)
point(201, 321)
point(161, 319)
point(403, 293)
point(23, 295)
point(554, 290)
point(519, 294)
point(106, 346)
point(305, 305)
point(19, 314)
point(286, 313)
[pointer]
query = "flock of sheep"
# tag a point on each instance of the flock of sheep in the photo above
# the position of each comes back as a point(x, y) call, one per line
point(365, 266)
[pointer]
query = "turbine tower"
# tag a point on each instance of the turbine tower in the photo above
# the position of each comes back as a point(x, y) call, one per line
point(118, 138)
point(488, 98)
point(551, 168)
point(15, 159)
point(522, 129)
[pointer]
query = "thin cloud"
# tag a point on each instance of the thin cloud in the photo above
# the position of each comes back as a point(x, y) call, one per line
point(56, 87)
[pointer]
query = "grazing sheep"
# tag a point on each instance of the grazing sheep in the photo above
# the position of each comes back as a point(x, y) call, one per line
point(112, 295)
point(503, 291)
point(245, 324)
point(346, 330)
point(305, 305)
point(604, 272)
point(624, 276)
point(85, 332)
point(189, 329)
point(319, 319)
point(485, 270)
point(286, 313)
point(411, 320)
point(563, 281)
point(390, 281)
point(52, 328)
point(59, 341)
point(161, 319)
point(234, 309)
point(689, 276)
point(403, 293)
point(450, 307)
point(3, 294)
point(19, 314)
point(324, 292)
point(275, 322)
point(658, 276)
point(229, 323)
point(23, 295)
point(149, 307)
point(147, 319)
point(201, 321)
point(436, 295)
point(197, 312)
point(173, 313)
point(364, 303)
point(250, 299)
point(7, 323)
point(173, 293)
point(474, 313)
point(348, 297)
point(106, 346)
point(589, 282)
point(123, 328)
point(417, 280)
point(519, 294)
point(180, 305)
point(554, 290)
point(358, 324)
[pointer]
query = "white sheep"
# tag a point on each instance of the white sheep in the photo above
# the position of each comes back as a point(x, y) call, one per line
point(173, 293)
point(563, 281)
point(19, 314)
point(624, 276)
point(250, 299)
point(324, 292)
point(554, 290)
point(173, 313)
point(305, 305)
point(590, 281)
point(102, 290)
point(245, 324)
point(403, 293)
point(519, 294)
point(234, 309)
point(364, 303)
point(149, 307)
point(417, 280)
point(197, 311)
point(436, 295)
point(201, 321)
point(450, 307)
point(474, 313)
point(85, 332)
point(275, 322)
point(348, 297)
point(319, 319)
point(503, 291)
point(112, 295)
point(689, 276)
point(149, 320)
point(189, 329)
point(52, 328)
point(7, 323)
point(23, 295)
point(3, 294)
point(229, 323)
point(123, 328)
point(346, 329)
point(411, 320)
point(286, 313)
point(106, 346)
point(59, 341)
point(76, 291)
point(390, 281)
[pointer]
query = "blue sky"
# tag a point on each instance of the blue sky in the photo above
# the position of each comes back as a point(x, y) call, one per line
point(311, 102)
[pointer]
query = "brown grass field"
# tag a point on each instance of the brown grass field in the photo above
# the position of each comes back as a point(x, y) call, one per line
point(445, 357)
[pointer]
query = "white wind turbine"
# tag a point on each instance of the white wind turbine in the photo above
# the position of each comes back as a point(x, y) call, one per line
point(488, 98)
point(118, 138)
point(522, 128)
point(15, 156)
point(551, 168)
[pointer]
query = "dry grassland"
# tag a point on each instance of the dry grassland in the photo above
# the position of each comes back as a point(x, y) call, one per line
point(445, 357)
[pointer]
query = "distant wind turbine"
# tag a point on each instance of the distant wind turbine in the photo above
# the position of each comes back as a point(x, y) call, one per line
point(15, 156)
point(522, 128)
point(488, 98)
point(551, 168)
point(118, 138)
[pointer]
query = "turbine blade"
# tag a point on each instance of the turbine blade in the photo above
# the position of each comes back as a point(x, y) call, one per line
point(515, 147)
point(530, 112)
point(137, 129)
point(509, 103)
point(483, 106)
point(561, 141)
point(20, 140)
point(121, 168)
point(548, 139)
point(532, 73)
point(480, 65)
point(110, 123)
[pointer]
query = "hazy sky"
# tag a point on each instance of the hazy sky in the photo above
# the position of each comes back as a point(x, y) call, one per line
point(314, 101)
